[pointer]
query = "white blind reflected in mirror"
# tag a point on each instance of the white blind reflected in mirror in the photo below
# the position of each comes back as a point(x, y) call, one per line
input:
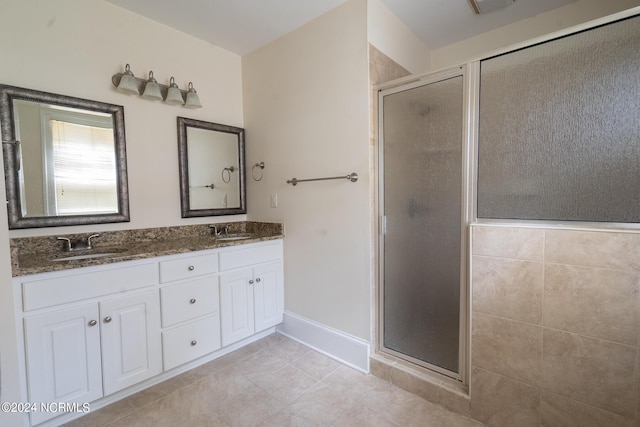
point(84, 169)
point(559, 135)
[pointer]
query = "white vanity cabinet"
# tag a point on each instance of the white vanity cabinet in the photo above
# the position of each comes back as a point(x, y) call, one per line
point(190, 308)
point(251, 291)
point(110, 330)
point(81, 351)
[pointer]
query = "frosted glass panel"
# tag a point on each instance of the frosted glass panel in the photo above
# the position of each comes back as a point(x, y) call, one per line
point(422, 204)
point(560, 129)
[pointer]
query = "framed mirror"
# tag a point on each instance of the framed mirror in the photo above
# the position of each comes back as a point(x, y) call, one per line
point(212, 169)
point(64, 159)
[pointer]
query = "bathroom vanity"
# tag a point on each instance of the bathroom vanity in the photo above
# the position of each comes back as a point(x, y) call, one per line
point(101, 328)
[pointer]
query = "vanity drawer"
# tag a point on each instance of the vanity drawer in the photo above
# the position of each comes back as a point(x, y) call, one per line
point(188, 300)
point(66, 288)
point(242, 257)
point(191, 266)
point(184, 343)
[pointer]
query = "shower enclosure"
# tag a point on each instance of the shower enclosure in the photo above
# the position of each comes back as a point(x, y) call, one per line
point(421, 168)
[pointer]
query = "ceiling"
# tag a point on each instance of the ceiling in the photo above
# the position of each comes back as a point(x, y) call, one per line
point(241, 26)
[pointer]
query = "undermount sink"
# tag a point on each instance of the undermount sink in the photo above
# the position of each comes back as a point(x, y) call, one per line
point(228, 237)
point(87, 255)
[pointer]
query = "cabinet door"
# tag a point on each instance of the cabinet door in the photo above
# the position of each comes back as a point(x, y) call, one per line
point(236, 306)
point(63, 357)
point(268, 291)
point(131, 343)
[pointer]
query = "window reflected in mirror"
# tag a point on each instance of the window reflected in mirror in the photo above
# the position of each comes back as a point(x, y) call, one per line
point(73, 171)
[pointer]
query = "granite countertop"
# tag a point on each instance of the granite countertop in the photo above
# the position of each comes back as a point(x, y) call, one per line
point(31, 255)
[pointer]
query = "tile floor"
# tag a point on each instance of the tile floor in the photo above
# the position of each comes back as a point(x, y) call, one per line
point(273, 382)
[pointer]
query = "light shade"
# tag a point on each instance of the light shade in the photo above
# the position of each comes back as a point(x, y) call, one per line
point(128, 83)
point(174, 96)
point(192, 98)
point(152, 89)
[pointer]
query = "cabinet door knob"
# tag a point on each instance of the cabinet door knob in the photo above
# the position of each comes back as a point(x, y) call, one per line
point(251, 282)
point(107, 319)
point(191, 268)
point(192, 301)
point(258, 280)
point(194, 342)
point(93, 323)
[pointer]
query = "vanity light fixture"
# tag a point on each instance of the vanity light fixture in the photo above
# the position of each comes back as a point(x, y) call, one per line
point(152, 89)
point(192, 98)
point(126, 82)
point(174, 96)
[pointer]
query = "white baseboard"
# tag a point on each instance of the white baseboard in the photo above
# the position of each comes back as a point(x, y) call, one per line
point(347, 349)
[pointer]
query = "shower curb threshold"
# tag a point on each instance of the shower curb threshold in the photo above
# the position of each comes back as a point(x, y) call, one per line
point(432, 386)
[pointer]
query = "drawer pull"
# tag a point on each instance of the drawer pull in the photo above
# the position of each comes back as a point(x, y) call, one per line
point(191, 268)
point(107, 319)
point(192, 301)
point(93, 323)
point(251, 282)
point(194, 342)
point(258, 280)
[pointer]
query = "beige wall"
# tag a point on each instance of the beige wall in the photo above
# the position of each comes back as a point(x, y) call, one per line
point(73, 48)
point(575, 13)
point(555, 321)
point(306, 114)
point(392, 37)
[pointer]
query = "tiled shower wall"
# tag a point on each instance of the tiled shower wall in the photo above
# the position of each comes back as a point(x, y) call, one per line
point(555, 327)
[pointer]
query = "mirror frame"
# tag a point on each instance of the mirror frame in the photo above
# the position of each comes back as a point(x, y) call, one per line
point(183, 160)
point(11, 153)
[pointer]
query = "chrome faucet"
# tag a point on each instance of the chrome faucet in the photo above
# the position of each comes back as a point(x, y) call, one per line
point(69, 245)
point(223, 230)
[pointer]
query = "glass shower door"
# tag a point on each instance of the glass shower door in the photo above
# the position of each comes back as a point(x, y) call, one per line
point(421, 170)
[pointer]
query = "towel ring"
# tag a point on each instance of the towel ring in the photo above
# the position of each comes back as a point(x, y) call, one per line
point(228, 170)
point(253, 173)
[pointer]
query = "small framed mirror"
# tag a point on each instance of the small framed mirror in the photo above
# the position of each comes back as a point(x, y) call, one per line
point(212, 169)
point(64, 159)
